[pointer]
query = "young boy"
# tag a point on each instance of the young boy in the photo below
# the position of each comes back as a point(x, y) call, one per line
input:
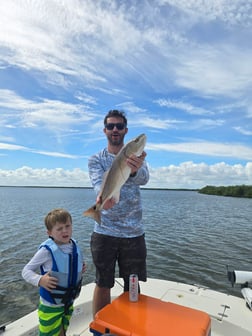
point(61, 265)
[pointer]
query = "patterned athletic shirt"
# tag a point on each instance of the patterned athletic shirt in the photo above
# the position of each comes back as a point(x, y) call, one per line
point(124, 219)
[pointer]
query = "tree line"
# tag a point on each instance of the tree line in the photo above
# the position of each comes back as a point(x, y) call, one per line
point(234, 191)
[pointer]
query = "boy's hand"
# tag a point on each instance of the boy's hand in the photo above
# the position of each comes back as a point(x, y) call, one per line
point(48, 282)
point(84, 267)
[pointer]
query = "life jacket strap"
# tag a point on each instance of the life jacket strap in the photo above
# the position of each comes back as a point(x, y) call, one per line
point(68, 294)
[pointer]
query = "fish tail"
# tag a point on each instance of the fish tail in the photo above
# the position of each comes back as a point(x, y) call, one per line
point(94, 213)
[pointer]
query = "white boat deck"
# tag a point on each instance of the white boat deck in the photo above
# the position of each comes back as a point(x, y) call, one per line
point(229, 314)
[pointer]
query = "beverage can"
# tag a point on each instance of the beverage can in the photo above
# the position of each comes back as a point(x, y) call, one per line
point(133, 288)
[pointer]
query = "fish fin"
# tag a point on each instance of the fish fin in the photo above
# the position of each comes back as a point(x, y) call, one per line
point(94, 213)
point(116, 196)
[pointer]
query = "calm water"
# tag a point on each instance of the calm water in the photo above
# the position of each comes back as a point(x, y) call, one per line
point(190, 238)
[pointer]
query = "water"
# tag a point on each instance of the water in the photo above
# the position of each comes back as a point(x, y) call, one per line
point(190, 238)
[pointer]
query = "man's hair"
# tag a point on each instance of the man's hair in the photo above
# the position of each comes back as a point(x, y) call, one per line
point(115, 114)
point(56, 216)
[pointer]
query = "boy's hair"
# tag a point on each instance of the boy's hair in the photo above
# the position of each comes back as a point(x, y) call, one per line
point(115, 114)
point(56, 216)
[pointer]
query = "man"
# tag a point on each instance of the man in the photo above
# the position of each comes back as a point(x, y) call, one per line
point(120, 237)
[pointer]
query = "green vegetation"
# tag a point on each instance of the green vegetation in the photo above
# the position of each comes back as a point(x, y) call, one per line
point(234, 191)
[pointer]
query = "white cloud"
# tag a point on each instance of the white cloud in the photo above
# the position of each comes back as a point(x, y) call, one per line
point(55, 154)
point(44, 37)
point(243, 131)
point(131, 107)
point(84, 56)
point(205, 148)
point(53, 114)
point(194, 176)
point(186, 107)
point(26, 176)
point(186, 175)
point(215, 70)
point(158, 123)
point(235, 12)
point(11, 147)
point(82, 41)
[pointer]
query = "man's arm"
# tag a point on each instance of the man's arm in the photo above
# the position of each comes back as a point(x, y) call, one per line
point(96, 172)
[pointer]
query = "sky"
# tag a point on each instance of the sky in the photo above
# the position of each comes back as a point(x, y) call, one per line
point(181, 70)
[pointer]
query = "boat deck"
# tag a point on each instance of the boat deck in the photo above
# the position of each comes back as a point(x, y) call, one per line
point(229, 315)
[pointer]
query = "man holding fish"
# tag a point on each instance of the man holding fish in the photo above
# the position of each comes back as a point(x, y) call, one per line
point(116, 173)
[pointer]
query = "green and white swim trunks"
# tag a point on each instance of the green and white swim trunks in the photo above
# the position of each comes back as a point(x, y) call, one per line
point(52, 318)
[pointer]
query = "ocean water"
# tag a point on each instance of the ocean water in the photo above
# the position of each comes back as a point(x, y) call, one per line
point(190, 238)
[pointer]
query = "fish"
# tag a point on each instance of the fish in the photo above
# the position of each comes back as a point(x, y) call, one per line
point(116, 176)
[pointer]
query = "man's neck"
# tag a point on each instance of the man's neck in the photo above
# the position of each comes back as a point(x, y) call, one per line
point(113, 149)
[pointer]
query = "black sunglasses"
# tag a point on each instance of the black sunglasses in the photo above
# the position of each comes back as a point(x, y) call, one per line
point(119, 126)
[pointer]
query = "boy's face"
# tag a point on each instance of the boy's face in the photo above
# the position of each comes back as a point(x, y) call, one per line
point(61, 232)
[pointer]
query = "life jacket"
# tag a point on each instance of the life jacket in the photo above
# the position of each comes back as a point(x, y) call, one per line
point(67, 268)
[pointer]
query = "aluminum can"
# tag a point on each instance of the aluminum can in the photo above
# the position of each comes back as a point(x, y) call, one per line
point(133, 287)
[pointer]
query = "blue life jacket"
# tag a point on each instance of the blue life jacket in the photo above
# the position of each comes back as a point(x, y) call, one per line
point(67, 268)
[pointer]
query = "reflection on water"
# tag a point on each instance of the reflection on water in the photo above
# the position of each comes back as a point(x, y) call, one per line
point(190, 238)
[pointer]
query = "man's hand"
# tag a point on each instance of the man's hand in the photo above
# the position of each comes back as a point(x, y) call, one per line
point(48, 282)
point(135, 162)
point(108, 204)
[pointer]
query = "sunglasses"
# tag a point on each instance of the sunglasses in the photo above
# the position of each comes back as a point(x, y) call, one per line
point(119, 126)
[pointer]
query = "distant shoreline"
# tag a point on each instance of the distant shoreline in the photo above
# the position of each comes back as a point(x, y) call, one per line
point(60, 187)
point(241, 191)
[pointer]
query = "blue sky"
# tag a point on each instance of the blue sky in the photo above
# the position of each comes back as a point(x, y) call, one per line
point(180, 69)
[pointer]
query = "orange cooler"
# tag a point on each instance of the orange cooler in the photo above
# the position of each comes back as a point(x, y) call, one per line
point(149, 317)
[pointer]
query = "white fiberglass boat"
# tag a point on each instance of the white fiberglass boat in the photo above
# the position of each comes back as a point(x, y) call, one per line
point(164, 308)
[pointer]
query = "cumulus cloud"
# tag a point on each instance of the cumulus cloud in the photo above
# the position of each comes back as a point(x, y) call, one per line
point(58, 177)
point(187, 175)
point(194, 176)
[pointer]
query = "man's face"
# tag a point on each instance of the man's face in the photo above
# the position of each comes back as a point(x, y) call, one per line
point(115, 130)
